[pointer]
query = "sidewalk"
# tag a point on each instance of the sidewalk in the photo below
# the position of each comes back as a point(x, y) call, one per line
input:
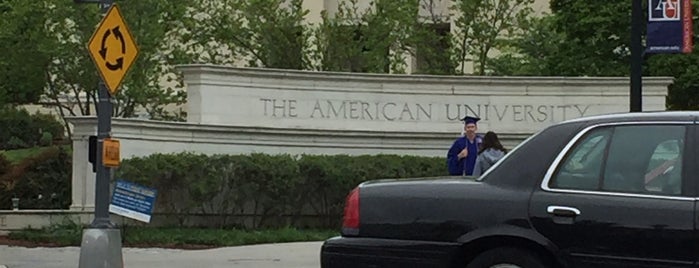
point(287, 255)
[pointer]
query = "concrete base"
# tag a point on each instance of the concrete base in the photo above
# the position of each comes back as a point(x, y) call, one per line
point(101, 248)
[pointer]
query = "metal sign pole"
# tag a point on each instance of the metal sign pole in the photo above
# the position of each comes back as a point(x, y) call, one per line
point(101, 242)
point(104, 129)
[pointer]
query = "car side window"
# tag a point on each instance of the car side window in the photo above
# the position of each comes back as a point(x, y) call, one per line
point(581, 168)
point(663, 174)
point(643, 159)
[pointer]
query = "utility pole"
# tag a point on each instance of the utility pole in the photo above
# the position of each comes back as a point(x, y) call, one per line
point(636, 56)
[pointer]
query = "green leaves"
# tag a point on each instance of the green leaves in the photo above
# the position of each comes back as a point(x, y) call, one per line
point(272, 188)
point(483, 25)
point(380, 38)
point(276, 33)
point(268, 33)
point(41, 181)
point(156, 26)
point(534, 52)
point(48, 39)
point(584, 38)
point(684, 91)
point(21, 67)
point(579, 38)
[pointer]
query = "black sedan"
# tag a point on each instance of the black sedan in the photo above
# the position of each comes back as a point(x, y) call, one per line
point(604, 191)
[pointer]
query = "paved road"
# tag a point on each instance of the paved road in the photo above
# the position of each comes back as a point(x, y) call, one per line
point(287, 255)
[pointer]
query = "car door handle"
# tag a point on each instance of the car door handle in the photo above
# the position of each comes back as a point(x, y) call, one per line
point(563, 211)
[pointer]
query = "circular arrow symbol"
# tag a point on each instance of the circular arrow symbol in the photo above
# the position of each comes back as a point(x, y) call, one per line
point(103, 51)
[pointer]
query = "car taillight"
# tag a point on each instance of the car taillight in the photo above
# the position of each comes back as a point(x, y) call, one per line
point(350, 222)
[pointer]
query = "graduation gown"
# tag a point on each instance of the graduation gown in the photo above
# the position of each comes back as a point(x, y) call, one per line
point(465, 165)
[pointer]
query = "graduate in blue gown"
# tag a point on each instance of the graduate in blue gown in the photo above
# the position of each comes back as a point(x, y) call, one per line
point(462, 155)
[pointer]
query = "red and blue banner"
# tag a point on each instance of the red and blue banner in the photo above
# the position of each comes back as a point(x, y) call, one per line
point(669, 26)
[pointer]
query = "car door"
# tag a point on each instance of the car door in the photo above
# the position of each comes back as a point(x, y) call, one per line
point(618, 196)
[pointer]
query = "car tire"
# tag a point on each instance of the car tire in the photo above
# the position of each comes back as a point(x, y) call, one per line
point(506, 258)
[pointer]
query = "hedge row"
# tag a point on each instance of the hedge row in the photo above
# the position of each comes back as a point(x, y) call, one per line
point(266, 188)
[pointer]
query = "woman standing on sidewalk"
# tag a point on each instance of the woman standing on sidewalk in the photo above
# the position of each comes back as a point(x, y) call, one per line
point(491, 152)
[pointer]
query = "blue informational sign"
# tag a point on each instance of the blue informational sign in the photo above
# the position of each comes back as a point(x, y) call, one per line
point(669, 26)
point(133, 201)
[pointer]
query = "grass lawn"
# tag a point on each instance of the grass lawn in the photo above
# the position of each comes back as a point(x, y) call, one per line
point(70, 235)
point(15, 156)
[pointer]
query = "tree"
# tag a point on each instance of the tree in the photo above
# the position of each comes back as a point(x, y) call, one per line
point(274, 34)
point(58, 32)
point(339, 40)
point(584, 38)
point(156, 26)
point(365, 40)
point(578, 38)
point(277, 35)
point(596, 37)
point(378, 39)
point(21, 83)
point(483, 25)
point(431, 40)
point(267, 33)
point(535, 53)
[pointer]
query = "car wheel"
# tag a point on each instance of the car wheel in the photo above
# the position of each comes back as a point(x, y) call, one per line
point(506, 258)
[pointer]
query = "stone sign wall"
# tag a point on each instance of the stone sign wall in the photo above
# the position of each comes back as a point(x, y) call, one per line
point(314, 100)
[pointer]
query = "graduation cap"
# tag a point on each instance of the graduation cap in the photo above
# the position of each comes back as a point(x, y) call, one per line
point(470, 119)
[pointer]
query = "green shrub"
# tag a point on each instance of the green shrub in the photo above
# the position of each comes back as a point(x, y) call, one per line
point(46, 139)
point(278, 190)
point(41, 182)
point(16, 143)
point(23, 130)
point(44, 123)
point(14, 123)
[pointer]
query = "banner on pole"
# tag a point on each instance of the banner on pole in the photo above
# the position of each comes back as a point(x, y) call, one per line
point(669, 26)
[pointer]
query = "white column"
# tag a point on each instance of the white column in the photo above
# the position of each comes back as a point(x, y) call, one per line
point(83, 179)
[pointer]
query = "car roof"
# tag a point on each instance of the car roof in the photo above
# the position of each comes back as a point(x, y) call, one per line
point(638, 116)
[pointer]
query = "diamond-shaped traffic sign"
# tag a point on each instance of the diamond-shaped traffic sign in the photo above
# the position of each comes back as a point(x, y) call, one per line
point(113, 49)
